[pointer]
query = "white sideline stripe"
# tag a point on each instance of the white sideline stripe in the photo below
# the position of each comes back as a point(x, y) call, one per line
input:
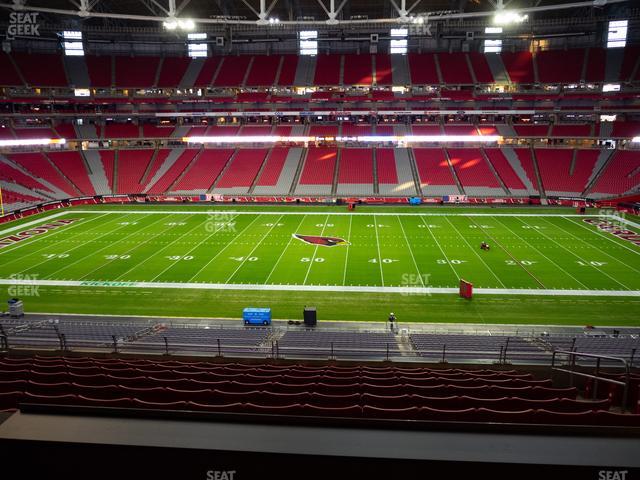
point(35, 222)
point(304, 212)
point(320, 288)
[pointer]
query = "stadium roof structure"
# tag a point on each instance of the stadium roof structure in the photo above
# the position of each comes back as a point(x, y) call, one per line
point(298, 13)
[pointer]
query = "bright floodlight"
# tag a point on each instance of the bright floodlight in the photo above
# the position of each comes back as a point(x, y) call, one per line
point(506, 17)
point(187, 24)
point(617, 34)
point(32, 141)
point(399, 32)
point(183, 24)
point(308, 42)
point(636, 139)
point(362, 139)
point(72, 35)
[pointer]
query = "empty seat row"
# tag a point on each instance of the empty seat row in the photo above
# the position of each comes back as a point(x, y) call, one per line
point(588, 415)
point(438, 390)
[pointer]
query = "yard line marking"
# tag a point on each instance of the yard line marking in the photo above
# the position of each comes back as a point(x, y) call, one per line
point(103, 248)
point(477, 255)
point(591, 246)
point(229, 243)
point(577, 256)
point(254, 248)
point(319, 288)
point(346, 258)
point(171, 265)
point(597, 231)
point(109, 262)
point(284, 250)
point(406, 239)
point(440, 247)
point(509, 253)
point(315, 251)
point(547, 258)
point(375, 224)
point(380, 214)
point(161, 250)
point(26, 243)
point(64, 251)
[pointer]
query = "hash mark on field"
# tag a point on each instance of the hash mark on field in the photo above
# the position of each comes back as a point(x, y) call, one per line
point(543, 255)
point(375, 223)
point(81, 244)
point(125, 252)
point(476, 253)
point(315, 251)
point(346, 258)
point(284, 250)
point(196, 245)
point(253, 249)
point(512, 257)
point(605, 236)
point(136, 266)
point(229, 243)
point(47, 236)
point(406, 239)
point(579, 257)
point(441, 250)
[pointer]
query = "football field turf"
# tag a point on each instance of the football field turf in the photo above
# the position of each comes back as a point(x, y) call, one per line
point(325, 252)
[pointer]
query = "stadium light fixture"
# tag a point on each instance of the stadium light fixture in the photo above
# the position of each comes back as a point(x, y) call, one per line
point(72, 44)
point(361, 139)
point(492, 46)
point(27, 142)
point(617, 34)
point(72, 35)
point(182, 24)
point(636, 139)
point(509, 17)
point(308, 42)
point(399, 41)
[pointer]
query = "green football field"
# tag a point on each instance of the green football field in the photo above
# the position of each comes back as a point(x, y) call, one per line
point(137, 259)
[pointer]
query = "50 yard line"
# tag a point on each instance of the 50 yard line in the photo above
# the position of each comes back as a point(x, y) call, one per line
point(283, 251)
point(315, 251)
point(375, 224)
point(346, 258)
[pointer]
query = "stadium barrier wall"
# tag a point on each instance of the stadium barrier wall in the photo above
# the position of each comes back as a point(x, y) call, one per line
point(133, 199)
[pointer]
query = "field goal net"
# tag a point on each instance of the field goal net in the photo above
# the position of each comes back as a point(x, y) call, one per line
point(466, 289)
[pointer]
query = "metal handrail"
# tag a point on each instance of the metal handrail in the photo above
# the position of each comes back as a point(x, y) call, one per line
point(596, 377)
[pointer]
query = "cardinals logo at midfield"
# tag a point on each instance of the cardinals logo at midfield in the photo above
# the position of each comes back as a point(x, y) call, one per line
point(323, 241)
